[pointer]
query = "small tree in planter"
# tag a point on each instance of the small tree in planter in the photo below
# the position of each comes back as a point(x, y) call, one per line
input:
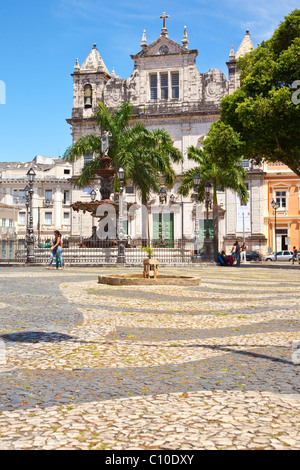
point(150, 264)
point(148, 250)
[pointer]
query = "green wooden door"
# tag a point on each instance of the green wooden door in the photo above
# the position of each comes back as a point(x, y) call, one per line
point(163, 227)
point(202, 228)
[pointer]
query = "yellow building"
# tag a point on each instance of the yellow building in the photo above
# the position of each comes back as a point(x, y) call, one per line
point(283, 187)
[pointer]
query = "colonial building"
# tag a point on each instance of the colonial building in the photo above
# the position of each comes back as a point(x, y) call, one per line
point(283, 187)
point(8, 230)
point(52, 195)
point(168, 91)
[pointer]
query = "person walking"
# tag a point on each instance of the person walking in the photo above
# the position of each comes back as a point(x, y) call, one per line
point(243, 253)
point(295, 255)
point(56, 251)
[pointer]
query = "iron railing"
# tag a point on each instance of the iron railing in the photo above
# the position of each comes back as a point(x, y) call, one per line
point(77, 251)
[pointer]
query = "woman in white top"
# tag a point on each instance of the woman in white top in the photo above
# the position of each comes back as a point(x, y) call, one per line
point(243, 253)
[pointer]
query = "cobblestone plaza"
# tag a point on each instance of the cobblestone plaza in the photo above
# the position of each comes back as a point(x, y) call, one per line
point(91, 366)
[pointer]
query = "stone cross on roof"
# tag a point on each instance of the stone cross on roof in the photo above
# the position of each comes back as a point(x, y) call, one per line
point(164, 31)
point(164, 19)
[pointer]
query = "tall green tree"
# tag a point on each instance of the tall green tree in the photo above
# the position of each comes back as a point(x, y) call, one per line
point(265, 110)
point(146, 156)
point(219, 165)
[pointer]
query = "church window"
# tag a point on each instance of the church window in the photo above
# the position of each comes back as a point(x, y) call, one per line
point(175, 85)
point(87, 158)
point(168, 84)
point(153, 87)
point(164, 86)
point(87, 96)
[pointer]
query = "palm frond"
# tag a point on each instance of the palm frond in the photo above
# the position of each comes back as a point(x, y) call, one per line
point(195, 154)
point(87, 175)
point(85, 145)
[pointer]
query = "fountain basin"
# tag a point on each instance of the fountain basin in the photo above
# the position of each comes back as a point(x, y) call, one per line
point(139, 280)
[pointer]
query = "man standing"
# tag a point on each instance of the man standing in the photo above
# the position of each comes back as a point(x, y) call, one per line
point(237, 253)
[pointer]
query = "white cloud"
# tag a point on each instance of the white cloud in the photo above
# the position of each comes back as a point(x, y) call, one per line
point(261, 16)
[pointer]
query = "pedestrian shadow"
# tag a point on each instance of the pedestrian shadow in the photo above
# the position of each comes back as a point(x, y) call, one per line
point(36, 337)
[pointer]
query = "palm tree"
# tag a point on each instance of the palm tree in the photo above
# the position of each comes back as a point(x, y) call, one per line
point(218, 174)
point(145, 155)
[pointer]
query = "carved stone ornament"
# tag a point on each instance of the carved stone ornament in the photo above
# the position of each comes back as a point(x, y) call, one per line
point(114, 93)
point(215, 87)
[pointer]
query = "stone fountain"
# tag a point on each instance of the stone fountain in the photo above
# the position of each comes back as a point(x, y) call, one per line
point(106, 174)
point(140, 280)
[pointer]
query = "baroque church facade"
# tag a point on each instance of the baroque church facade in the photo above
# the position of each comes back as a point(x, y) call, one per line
point(168, 91)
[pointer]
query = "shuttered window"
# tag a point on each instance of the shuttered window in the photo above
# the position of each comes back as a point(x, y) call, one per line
point(164, 86)
point(175, 85)
point(153, 87)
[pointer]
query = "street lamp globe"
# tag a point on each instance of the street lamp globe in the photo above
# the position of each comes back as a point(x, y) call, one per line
point(197, 180)
point(93, 195)
point(31, 175)
point(172, 199)
point(121, 174)
point(275, 205)
point(162, 195)
point(207, 188)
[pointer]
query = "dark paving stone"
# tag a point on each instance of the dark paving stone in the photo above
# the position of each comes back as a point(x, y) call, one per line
point(260, 369)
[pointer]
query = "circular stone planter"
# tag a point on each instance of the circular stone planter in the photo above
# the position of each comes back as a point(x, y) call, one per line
point(139, 280)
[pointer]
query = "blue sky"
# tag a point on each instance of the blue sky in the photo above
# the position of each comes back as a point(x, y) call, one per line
point(41, 39)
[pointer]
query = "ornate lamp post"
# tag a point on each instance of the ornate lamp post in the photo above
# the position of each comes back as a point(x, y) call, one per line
point(162, 200)
point(121, 246)
point(46, 204)
point(275, 206)
point(207, 241)
point(29, 227)
point(197, 181)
